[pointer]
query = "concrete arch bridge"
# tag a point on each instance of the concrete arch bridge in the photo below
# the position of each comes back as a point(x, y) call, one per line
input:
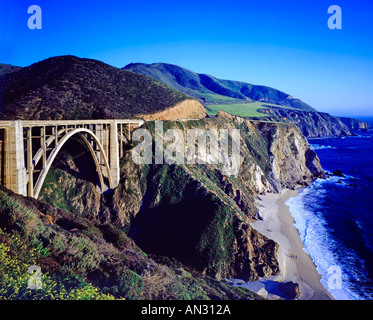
point(28, 149)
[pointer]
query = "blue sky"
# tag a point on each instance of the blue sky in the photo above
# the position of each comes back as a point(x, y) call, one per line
point(283, 44)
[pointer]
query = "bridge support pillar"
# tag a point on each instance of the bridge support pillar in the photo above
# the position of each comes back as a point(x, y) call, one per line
point(17, 176)
point(114, 155)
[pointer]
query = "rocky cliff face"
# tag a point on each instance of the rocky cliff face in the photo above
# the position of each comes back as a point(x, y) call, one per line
point(187, 109)
point(292, 161)
point(196, 214)
point(311, 124)
point(354, 124)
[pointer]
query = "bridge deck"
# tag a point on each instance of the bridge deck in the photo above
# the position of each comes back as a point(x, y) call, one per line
point(30, 123)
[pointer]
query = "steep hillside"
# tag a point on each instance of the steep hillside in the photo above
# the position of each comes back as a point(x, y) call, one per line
point(201, 217)
point(187, 109)
point(311, 124)
point(354, 124)
point(194, 213)
point(209, 89)
point(82, 259)
point(7, 68)
point(67, 87)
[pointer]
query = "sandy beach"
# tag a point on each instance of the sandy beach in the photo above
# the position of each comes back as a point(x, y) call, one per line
point(295, 264)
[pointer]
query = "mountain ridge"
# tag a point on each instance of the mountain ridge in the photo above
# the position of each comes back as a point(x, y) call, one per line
point(278, 106)
point(68, 87)
point(205, 87)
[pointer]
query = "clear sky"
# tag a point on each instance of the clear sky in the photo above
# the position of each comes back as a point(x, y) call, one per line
point(283, 44)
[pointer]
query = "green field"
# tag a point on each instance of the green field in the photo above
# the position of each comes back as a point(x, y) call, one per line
point(243, 109)
point(237, 109)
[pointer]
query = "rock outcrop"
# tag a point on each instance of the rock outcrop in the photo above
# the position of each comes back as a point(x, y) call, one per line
point(187, 109)
point(292, 160)
point(311, 124)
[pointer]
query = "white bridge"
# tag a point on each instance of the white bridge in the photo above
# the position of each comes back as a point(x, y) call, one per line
point(28, 148)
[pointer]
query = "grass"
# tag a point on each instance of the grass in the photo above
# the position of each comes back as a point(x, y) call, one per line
point(243, 109)
point(92, 262)
point(217, 98)
point(238, 109)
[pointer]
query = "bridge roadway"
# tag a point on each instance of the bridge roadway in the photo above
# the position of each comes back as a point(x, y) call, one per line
point(28, 148)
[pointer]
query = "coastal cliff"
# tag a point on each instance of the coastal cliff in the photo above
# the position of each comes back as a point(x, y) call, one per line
point(188, 226)
point(193, 213)
point(187, 109)
point(311, 124)
point(354, 124)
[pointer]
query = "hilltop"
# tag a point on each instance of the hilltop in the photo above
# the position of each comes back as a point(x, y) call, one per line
point(210, 90)
point(7, 68)
point(68, 87)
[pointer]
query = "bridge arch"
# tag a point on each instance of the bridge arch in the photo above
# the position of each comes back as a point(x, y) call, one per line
point(29, 147)
point(82, 132)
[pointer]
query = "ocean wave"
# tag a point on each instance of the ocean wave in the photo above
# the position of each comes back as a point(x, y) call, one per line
point(320, 147)
point(319, 243)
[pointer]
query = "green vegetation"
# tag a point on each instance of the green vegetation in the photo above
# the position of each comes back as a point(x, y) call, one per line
point(81, 260)
point(18, 252)
point(215, 98)
point(15, 259)
point(238, 109)
point(216, 245)
point(50, 192)
point(210, 90)
point(249, 110)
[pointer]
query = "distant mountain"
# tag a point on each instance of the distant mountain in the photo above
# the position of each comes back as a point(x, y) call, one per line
point(229, 95)
point(7, 68)
point(210, 90)
point(68, 87)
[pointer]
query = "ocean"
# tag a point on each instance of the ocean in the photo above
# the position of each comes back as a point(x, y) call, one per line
point(334, 216)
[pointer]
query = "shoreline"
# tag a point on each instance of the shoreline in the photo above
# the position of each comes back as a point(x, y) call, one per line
point(295, 264)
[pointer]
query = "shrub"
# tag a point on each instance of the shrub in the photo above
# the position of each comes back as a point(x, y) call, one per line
point(15, 259)
point(130, 285)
